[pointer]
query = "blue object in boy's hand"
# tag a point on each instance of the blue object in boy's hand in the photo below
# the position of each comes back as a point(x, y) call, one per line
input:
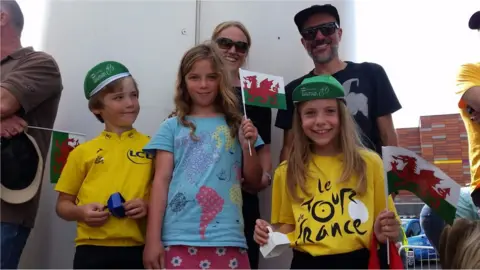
point(115, 205)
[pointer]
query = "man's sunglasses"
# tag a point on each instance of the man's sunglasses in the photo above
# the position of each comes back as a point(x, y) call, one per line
point(226, 44)
point(326, 29)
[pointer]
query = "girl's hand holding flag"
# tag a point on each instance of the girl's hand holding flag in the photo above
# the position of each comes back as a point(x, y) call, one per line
point(248, 134)
point(386, 227)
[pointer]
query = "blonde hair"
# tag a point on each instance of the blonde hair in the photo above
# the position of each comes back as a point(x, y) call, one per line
point(459, 246)
point(301, 154)
point(226, 100)
point(227, 24)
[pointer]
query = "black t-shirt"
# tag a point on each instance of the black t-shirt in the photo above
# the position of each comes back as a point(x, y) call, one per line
point(260, 116)
point(369, 95)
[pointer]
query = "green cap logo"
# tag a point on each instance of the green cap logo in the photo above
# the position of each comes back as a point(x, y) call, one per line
point(318, 87)
point(101, 75)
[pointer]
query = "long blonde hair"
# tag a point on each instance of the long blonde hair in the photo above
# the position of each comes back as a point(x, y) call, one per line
point(301, 154)
point(227, 24)
point(459, 246)
point(226, 100)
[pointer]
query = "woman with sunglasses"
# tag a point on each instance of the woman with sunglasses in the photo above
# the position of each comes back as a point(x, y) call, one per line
point(234, 42)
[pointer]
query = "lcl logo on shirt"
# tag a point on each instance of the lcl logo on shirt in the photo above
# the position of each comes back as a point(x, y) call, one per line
point(139, 157)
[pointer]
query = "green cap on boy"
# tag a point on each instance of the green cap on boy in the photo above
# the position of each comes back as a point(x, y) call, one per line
point(318, 87)
point(101, 75)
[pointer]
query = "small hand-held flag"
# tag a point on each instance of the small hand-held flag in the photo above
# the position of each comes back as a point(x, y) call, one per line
point(406, 170)
point(63, 142)
point(262, 90)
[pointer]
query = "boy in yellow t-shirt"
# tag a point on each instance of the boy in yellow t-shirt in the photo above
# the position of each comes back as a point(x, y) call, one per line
point(329, 196)
point(113, 162)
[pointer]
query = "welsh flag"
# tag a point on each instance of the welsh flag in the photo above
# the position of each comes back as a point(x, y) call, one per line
point(62, 144)
point(407, 171)
point(262, 90)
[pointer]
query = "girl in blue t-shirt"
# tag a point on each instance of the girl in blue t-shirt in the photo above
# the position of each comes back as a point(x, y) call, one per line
point(195, 212)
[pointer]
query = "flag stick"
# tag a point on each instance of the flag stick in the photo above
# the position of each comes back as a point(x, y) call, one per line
point(386, 201)
point(51, 129)
point(249, 147)
point(244, 107)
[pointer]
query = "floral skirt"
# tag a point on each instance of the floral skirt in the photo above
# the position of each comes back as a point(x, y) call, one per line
point(184, 257)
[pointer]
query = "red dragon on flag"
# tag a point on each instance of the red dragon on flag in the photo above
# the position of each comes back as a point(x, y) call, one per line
point(408, 171)
point(262, 90)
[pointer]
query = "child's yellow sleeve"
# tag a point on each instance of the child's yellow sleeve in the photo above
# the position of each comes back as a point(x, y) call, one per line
point(73, 173)
point(282, 212)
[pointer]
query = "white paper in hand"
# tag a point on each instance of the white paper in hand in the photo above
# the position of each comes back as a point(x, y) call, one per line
point(277, 244)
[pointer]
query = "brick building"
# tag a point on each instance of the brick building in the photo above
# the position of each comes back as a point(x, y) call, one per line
point(442, 140)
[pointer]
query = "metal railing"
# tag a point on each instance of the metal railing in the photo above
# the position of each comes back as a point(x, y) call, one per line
point(419, 257)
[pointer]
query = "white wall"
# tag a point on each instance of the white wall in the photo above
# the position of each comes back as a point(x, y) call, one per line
point(147, 37)
point(144, 35)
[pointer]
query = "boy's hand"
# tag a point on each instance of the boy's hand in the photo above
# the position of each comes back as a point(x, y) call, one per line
point(260, 235)
point(386, 227)
point(247, 132)
point(136, 208)
point(93, 214)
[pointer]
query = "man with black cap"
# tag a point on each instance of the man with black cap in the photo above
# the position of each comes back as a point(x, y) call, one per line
point(370, 96)
point(30, 88)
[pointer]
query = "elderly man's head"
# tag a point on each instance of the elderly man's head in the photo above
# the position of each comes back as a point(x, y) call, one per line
point(11, 18)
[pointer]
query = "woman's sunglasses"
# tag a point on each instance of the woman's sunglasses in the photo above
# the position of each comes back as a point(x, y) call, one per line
point(326, 29)
point(226, 44)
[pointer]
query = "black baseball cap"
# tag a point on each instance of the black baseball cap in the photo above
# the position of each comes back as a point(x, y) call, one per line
point(303, 15)
point(474, 22)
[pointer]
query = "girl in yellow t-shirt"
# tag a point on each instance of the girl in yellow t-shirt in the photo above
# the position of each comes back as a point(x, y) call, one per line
point(329, 196)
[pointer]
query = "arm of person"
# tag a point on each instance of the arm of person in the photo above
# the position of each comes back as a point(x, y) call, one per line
point(35, 79)
point(386, 103)
point(381, 201)
point(281, 208)
point(162, 144)
point(282, 217)
point(287, 144)
point(252, 168)
point(465, 206)
point(262, 119)
point(284, 120)
point(468, 86)
point(265, 158)
point(266, 164)
point(159, 194)
point(68, 186)
point(66, 207)
point(388, 134)
point(9, 104)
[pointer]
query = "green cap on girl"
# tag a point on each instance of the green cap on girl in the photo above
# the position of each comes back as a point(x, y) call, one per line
point(318, 87)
